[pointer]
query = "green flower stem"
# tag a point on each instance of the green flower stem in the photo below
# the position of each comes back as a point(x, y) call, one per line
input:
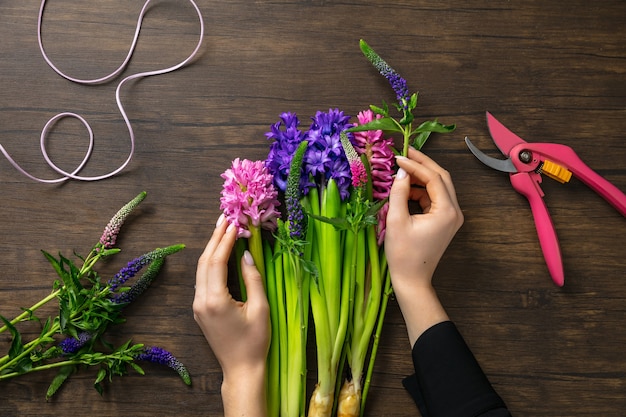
point(273, 358)
point(406, 139)
point(255, 245)
point(28, 312)
point(40, 368)
point(367, 301)
point(388, 290)
point(296, 343)
point(240, 247)
point(281, 324)
point(330, 241)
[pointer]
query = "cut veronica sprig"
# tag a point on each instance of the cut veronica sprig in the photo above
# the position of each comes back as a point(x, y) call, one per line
point(100, 250)
point(87, 307)
point(406, 104)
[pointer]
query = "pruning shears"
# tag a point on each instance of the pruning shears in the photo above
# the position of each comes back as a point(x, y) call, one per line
point(525, 163)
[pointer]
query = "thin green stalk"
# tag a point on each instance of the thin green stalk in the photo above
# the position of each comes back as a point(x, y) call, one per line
point(406, 136)
point(296, 344)
point(240, 247)
point(373, 301)
point(388, 290)
point(28, 312)
point(273, 359)
point(282, 329)
point(40, 368)
point(255, 245)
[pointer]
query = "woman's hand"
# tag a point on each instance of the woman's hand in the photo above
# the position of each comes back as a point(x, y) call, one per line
point(238, 333)
point(414, 243)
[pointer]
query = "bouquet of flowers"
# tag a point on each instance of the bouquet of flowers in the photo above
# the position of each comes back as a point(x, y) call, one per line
point(87, 307)
point(322, 195)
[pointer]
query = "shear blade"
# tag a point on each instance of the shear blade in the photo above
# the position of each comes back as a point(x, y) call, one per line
point(504, 165)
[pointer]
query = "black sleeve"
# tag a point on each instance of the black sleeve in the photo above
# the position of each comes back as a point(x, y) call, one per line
point(448, 382)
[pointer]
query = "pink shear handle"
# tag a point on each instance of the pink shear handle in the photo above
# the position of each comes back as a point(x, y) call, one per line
point(526, 185)
point(567, 157)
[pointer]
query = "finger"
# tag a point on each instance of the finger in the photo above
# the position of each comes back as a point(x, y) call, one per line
point(253, 282)
point(428, 162)
point(398, 198)
point(212, 271)
point(431, 179)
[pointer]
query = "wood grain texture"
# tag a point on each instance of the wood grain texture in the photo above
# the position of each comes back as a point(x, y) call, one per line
point(548, 70)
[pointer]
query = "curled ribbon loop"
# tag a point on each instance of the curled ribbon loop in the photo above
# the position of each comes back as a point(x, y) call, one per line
point(65, 175)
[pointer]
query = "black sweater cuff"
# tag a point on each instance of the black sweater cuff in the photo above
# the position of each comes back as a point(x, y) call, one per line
point(448, 381)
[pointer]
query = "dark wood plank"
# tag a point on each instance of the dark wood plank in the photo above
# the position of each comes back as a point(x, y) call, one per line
point(551, 72)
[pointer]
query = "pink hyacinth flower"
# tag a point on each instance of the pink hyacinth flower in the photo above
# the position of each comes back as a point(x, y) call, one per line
point(378, 150)
point(249, 198)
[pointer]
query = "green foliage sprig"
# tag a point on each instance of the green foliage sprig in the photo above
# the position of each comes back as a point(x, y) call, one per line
point(87, 307)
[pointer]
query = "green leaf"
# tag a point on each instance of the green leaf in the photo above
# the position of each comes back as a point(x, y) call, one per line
point(59, 379)
point(433, 126)
point(16, 344)
point(406, 119)
point(55, 264)
point(424, 130)
point(420, 140)
point(102, 373)
point(137, 368)
point(413, 102)
point(383, 111)
point(339, 223)
point(386, 124)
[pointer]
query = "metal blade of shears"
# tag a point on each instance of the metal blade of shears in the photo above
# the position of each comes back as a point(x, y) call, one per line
point(504, 165)
point(505, 139)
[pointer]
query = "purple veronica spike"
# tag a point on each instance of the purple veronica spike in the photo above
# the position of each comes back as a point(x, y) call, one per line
point(134, 266)
point(163, 357)
point(71, 345)
point(141, 285)
point(397, 82)
point(109, 235)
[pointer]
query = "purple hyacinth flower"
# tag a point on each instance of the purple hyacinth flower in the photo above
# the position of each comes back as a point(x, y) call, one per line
point(287, 136)
point(325, 158)
point(163, 357)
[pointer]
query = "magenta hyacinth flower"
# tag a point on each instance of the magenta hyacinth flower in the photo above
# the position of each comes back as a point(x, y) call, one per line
point(249, 198)
point(381, 159)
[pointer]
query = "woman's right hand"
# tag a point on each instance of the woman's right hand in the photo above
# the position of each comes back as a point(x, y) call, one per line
point(414, 243)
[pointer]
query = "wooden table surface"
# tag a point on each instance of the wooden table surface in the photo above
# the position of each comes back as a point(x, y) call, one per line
point(552, 71)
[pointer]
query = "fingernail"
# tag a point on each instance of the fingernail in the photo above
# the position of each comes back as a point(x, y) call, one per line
point(230, 227)
point(220, 220)
point(400, 174)
point(248, 259)
point(404, 158)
